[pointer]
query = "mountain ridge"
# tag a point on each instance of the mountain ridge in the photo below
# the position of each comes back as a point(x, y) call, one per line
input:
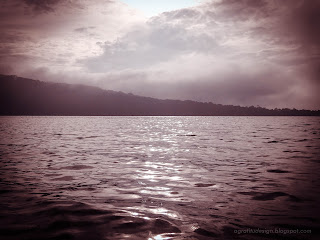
point(23, 96)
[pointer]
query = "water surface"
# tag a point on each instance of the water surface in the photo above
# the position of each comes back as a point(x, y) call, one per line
point(159, 177)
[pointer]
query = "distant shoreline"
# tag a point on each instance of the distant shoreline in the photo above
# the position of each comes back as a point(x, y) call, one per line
point(156, 116)
point(27, 97)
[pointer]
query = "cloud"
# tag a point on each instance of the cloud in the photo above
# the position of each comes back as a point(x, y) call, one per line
point(306, 19)
point(55, 34)
point(155, 42)
point(42, 5)
point(235, 52)
point(221, 82)
point(242, 52)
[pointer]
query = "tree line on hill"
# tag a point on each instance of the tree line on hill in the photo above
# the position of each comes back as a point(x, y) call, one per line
point(22, 96)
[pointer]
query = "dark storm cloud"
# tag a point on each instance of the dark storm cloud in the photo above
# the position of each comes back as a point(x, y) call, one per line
point(41, 30)
point(13, 37)
point(306, 19)
point(42, 5)
point(306, 22)
point(84, 29)
point(18, 27)
point(299, 18)
point(38, 6)
point(241, 9)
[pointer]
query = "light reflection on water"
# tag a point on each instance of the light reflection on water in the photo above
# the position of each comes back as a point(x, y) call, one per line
point(164, 177)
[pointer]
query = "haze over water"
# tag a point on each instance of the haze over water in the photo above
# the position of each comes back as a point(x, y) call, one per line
point(158, 177)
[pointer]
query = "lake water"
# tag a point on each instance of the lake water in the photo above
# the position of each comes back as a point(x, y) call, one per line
point(159, 177)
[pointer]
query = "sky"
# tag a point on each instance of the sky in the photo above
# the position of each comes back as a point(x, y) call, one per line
point(153, 7)
point(239, 52)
